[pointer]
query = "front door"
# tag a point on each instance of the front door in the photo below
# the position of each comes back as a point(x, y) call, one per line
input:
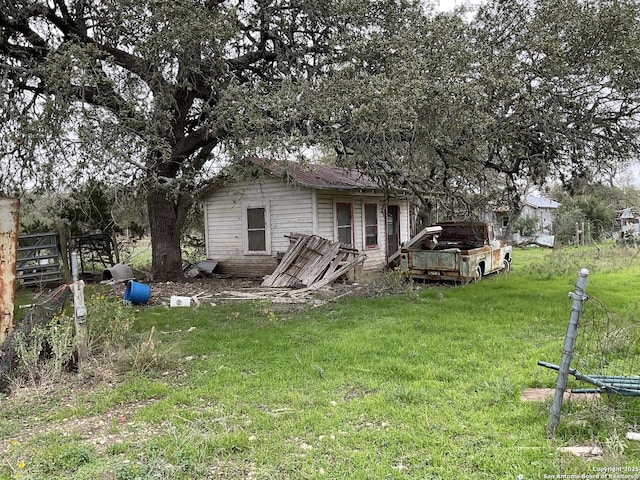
point(393, 229)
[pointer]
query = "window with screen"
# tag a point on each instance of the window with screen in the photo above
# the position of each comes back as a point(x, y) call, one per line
point(256, 230)
point(344, 223)
point(371, 225)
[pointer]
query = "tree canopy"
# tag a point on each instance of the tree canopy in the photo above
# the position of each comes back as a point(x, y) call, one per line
point(527, 92)
point(158, 94)
point(151, 91)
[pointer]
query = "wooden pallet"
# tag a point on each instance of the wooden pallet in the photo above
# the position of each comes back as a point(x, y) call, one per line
point(313, 262)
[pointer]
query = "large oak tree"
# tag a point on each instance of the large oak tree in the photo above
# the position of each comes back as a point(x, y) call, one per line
point(149, 92)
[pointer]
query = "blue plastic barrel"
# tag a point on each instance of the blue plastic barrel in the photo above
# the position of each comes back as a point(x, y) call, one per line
point(137, 293)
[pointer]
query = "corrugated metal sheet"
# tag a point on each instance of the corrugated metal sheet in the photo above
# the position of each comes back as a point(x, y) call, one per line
point(317, 176)
point(540, 202)
point(9, 208)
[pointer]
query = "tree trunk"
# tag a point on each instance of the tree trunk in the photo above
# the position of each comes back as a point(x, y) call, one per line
point(167, 215)
point(515, 209)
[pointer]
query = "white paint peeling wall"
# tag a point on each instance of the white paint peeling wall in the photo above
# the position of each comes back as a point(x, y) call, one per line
point(291, 210)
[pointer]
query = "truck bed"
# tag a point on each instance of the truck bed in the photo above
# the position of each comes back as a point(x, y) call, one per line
point(455, 251)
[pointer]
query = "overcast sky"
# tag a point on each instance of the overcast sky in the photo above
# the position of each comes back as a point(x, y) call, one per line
point(449, 4)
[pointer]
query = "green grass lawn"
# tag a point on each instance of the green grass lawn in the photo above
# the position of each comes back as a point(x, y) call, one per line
point(424, 384)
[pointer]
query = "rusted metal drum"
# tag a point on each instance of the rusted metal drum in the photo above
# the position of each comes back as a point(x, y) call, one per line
point(9, 208)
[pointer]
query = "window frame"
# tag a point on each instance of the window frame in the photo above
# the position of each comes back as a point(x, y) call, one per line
point(337, 226)
point(267, 228)
point(367, 225)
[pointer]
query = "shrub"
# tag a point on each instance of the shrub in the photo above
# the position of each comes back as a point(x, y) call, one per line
point(109, 323)
point(526, 226)
point(46, 352)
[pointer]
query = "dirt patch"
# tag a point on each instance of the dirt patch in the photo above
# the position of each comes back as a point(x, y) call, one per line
point(101, 431)
point(543, 394)
point(204, 289)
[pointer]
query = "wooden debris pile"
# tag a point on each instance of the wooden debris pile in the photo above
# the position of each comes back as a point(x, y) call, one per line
point(305, 296)
point(313, 262)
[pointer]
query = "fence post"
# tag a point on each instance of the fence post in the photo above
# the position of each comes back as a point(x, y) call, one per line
point(64, 253)
point(579, 296)
point(8, 253)
point(80, 313)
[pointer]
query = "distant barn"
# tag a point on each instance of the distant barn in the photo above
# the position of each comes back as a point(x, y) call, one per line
point(248, 218)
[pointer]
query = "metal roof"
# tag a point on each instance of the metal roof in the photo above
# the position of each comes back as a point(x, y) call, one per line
point(317, 175)
point(540, 202)
point(627, 213)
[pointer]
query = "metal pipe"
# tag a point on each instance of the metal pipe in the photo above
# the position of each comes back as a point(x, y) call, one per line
point(579, 296)
point(9, 208)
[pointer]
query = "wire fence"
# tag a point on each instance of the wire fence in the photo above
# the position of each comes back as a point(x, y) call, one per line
point(607, 346)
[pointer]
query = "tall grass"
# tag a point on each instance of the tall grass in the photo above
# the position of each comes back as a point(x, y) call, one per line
point(419, 385)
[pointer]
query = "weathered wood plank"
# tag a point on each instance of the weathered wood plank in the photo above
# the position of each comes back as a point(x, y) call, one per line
point(309, 260)
point(274, 280)
point(338, 273)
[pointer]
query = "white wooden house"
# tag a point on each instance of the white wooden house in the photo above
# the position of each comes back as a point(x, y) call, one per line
point(543, 209)
point(247, 222)
point(627, 223)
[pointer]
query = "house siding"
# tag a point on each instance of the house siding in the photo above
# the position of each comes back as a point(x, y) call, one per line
point(327, 228)
point(544, 216)
point(291, 209)
point(404, 223)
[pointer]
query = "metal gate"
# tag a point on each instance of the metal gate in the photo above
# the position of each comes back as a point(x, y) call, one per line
point(38, 260)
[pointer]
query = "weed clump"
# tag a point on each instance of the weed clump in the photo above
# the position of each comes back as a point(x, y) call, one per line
point(565, 262)
point(44, 352)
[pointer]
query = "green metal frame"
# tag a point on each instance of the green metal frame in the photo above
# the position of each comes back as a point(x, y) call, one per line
point(618, 385)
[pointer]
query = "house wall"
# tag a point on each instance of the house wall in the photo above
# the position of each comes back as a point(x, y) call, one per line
point(327, 228)
point(290, 209)
point(544, 216)
point(407, 229)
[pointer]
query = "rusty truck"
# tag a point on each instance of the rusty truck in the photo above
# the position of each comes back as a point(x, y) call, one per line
point(455, 251)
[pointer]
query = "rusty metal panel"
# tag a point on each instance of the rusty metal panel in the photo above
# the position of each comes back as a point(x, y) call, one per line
point(9, 208)
point(318, 176)
point(496, 258)
point(434, 259)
